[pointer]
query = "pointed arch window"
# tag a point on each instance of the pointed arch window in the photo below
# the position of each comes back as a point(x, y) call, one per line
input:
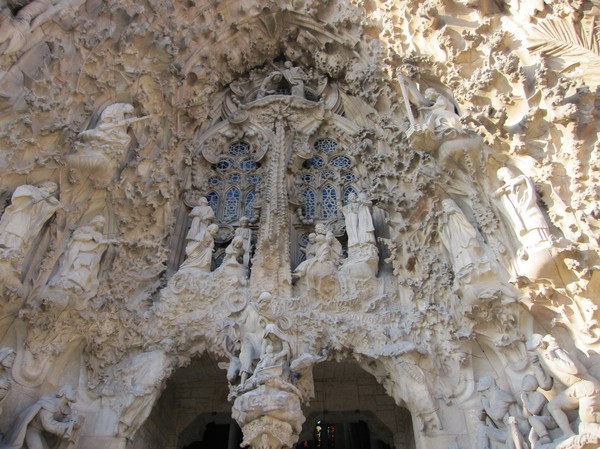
point(327, 179)
point(309, 203)
point(249, 205)
point(329, 201)
point(213, 201)
point(234, 181)
point(232, 204)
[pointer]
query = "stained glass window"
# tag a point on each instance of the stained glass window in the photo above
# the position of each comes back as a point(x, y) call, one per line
point(234, 181)
point(239, 148)
point(248, 164)
point(309, 203)
point(326, 145)
point(254, 179)
point(232, 201)
point(314, 162)
point(328, 175)
point(224, 165)
point(341, 162)
point(249, 209)
point(213, 201)
point(329, 201)
point(234, 177)
point(347, 177)
point(214, 181)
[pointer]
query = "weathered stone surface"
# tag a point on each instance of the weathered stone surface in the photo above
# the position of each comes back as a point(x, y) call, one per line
point(410, 185)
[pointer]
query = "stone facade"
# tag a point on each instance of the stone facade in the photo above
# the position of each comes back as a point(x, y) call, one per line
point(258, 190)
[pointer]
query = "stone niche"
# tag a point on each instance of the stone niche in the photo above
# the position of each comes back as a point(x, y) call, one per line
point(234, 222)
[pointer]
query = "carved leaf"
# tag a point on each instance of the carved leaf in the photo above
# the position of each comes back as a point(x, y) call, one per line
point(570, 44)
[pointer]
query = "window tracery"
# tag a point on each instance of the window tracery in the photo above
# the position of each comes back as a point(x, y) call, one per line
point(233, 183)
point(326, 180)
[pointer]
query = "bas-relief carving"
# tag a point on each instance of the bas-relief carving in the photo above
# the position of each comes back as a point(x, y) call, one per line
point(31, 207)
point(442, 261)
point(97, 151)
point(51, 415)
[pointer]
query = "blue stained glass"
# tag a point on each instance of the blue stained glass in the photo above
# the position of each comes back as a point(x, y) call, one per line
point(214, 181)
point(341, 162)
point(232, 202)
point(329, 198)
point(307, 179)
point(248, 164)
point(314, 162)
point(347, 192)
point(309, 203)
point(239, 148)
point(347, 177)
point(224, 165)
point(254, 179)
point(326, 145)
point(234, 177)
point(303, 240)
point(213, 201)
point(249, 203)
point(327, 175)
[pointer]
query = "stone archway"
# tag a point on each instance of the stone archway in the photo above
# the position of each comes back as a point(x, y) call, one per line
point(195, 396)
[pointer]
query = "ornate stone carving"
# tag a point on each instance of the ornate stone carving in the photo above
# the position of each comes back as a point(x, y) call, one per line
point(77, 278)
point(199, 251)
point(51, 414)
point(31, 207)
point(267, 404)
point(279, 112)
point(520, 205)
point(498, 406)
point(7, 358)
point(535, 410)
point(581, 392)
point(97, 151)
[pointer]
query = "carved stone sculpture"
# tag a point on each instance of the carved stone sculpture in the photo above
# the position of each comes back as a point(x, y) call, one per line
point(535, 410)
point(52, 414)
point(582, 390)
point(135, 387)
point(80, 266)
point(475, 277)
point(267, 405)
point(100, 149)
point(231, 269)
point(296, 77)
point(440, 118)
point(245, 233)
point(31, 207)
point(7, 358)
point(199, 251)
point(520, 206)
point(252, 324)
point(15, 31)
point(202, 216)
point(497, 415)
point(460, 239)
point(359, 223)
point(320, 273)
